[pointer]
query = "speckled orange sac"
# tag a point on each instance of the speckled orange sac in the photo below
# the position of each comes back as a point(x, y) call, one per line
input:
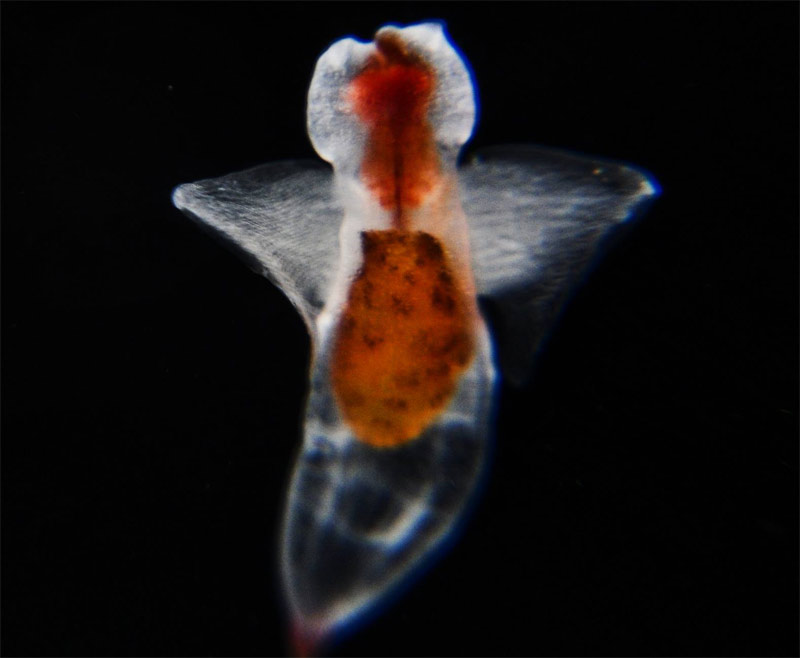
point(403, 340)
point(391, 96)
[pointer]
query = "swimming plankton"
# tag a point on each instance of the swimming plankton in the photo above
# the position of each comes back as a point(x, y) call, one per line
point(386, 257)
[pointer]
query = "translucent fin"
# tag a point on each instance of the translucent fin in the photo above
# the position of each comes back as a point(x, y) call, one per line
point(537, 218)
point(282, 217)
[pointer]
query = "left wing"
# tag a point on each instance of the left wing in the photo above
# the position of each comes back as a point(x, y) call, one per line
point(282, 217)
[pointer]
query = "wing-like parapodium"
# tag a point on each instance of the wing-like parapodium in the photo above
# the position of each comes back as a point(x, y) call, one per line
point(537, 220)
point(282, 217)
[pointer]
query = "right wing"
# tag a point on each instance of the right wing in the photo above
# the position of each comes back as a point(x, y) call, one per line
point(537, 218)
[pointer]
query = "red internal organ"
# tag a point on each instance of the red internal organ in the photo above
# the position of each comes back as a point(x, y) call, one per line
point(392, 96)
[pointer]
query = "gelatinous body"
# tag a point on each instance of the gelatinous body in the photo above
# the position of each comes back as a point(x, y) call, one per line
point(386, 258)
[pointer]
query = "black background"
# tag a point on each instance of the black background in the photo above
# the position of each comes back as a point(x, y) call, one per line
point(643, 495)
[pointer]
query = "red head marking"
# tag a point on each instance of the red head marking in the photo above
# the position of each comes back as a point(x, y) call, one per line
point(392, 96)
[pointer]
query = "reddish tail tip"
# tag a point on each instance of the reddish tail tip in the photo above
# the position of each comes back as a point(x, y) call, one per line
point(306, 642)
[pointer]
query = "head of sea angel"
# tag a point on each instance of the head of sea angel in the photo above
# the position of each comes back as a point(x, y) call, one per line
point(393, 113)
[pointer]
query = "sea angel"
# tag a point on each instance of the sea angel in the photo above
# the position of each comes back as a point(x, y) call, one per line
point(386, 258)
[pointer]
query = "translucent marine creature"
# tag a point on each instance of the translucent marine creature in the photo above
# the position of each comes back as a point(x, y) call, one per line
point(386, 257)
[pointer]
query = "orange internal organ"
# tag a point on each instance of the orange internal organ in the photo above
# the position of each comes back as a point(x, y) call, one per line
point(403, 340)
point(392, 95)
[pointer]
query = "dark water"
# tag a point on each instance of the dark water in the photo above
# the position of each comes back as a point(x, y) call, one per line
point(643, 496)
